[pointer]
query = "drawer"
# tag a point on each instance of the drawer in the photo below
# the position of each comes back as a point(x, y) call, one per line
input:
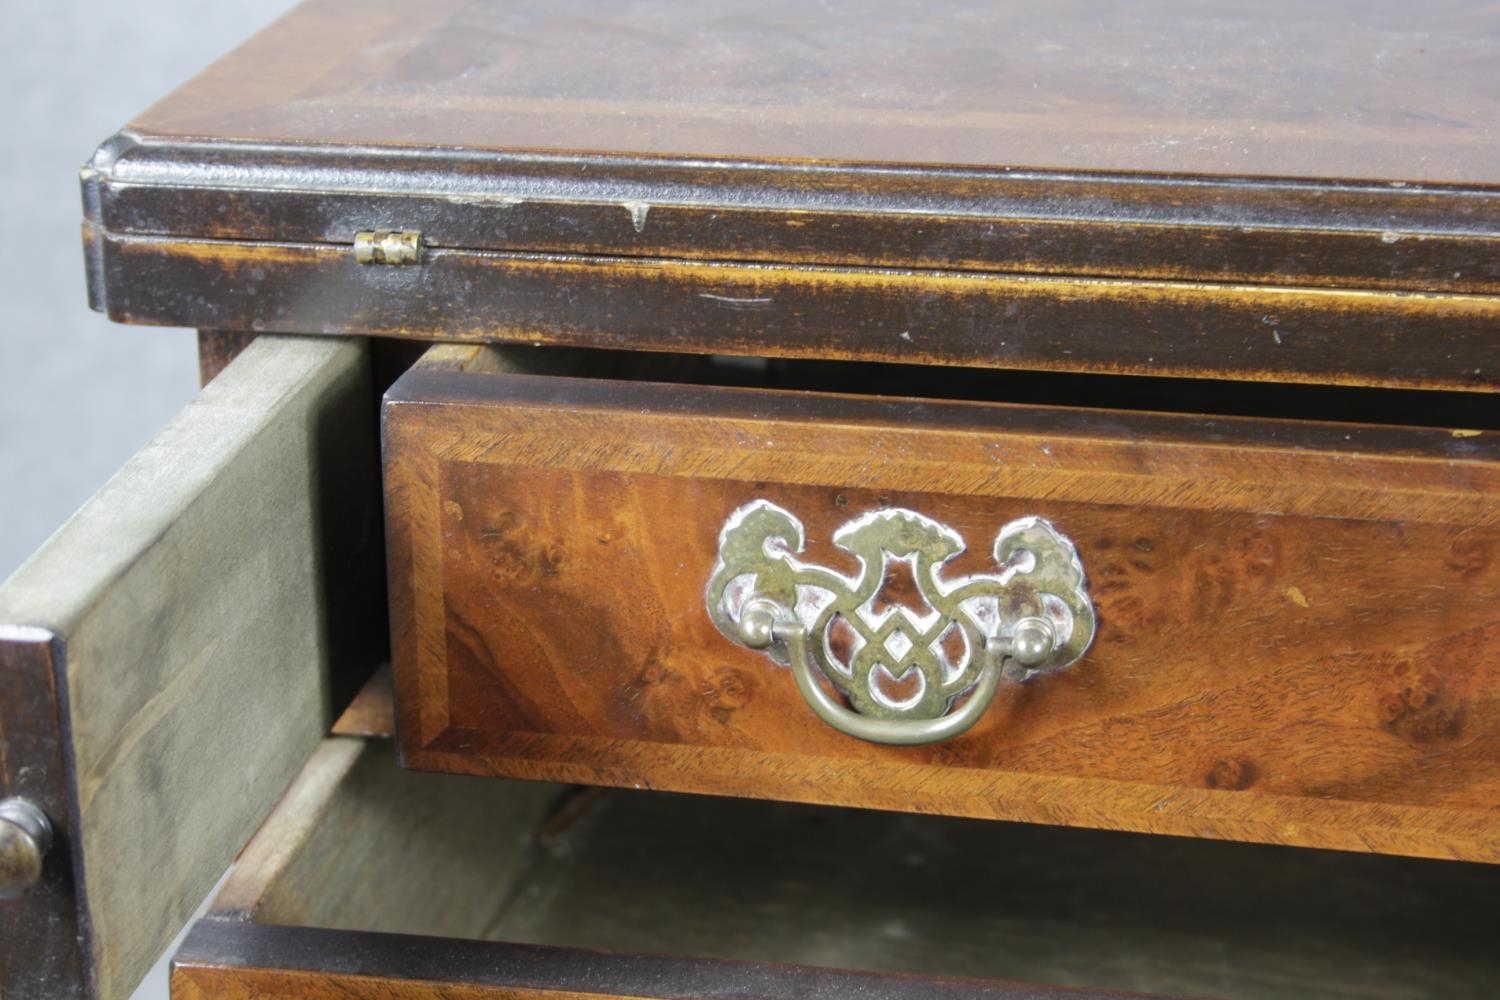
point(1262, 630)
point(170, 658)
point(370, 881)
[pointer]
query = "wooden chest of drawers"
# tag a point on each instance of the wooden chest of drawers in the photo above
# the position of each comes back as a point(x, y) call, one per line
point(1302, 613)
point(1069, 415)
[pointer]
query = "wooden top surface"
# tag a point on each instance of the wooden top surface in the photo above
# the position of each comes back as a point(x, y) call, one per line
point(1388, 91)
point(661, 170)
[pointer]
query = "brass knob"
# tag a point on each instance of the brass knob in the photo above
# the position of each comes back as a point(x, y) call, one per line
point(25, 837)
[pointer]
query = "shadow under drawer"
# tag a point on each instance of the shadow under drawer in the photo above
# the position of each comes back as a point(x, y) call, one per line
point(655, 894)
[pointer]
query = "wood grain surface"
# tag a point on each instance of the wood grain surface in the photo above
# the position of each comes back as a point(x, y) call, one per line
point(765, 179)
point(182, 643)
point(1333, 90)
point(1247, 332)
point(605, 892)
point(225, 961)
point(451, 853)
point(1165, 227)
point(447, 847)
point(1297, 628)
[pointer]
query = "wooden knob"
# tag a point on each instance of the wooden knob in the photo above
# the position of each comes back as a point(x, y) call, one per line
point(25, 837)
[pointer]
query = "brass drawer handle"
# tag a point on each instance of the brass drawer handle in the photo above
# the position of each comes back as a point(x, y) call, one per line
point(901, 670)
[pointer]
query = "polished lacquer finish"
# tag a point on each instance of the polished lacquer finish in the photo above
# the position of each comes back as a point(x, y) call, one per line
point(1296, 628)
point(1222, 190)
point(1167, 87)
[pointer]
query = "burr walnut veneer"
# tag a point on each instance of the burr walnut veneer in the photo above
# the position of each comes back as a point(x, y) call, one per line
point(1067, 413)
point(1296, 637)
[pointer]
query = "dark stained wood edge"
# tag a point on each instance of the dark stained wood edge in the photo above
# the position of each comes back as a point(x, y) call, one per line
point(427, 383)
point(43, 934)
point(1241, 229)
point(216, 348)
point(230, 960)
point(1462, 412)
point(935, 318)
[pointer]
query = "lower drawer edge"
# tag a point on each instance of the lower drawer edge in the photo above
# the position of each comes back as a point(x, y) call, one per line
point(373, 881)
point(227, 960)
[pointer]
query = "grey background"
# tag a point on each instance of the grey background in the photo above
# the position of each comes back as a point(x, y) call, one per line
point(78, 394)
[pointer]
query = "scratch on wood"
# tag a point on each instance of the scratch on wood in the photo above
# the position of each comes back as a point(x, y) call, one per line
point(737, 303)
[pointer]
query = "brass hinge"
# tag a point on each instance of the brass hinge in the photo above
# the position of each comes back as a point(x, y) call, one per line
point(388, 246)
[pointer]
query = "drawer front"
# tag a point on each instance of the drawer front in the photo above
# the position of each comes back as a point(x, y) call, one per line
point(1296, 636)
point(172, 655)
point(371, 881)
